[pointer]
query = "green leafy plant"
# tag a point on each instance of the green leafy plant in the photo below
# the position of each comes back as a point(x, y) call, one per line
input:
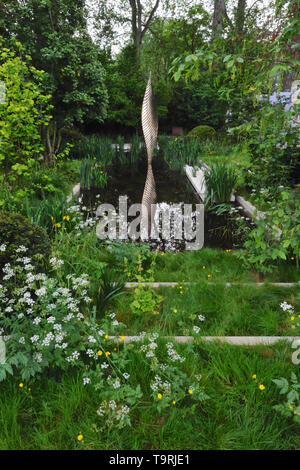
point(145, 299)
point(25, 111)
point(292, 391)
point(92, 175)
point(220, 180)
point(277, 235)
point(15, 231)
point(107, 286)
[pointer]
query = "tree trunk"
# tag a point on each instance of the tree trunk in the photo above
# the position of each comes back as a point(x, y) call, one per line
point(218, 19)
point(240, 17)
point(138, 26)
point(53, 140)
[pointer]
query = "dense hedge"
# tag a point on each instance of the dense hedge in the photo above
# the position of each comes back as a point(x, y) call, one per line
point(202, 131)
point(16, 230)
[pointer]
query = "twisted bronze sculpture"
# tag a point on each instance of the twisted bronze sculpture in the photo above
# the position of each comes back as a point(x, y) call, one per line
point(150, 131)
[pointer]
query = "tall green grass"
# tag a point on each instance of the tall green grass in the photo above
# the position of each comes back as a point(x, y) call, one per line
point(92, 175)
point(220, 181)
point(229, 311)
point(94, 147)
point(238, 416)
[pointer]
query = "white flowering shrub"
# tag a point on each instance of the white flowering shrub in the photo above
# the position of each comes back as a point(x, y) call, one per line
point(43, 327)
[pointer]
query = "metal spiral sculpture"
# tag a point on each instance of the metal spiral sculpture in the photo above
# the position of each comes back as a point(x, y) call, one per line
point(150, 131)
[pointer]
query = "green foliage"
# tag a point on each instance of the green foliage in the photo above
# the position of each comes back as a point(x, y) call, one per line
point(16, 231)
point(24, 112)
point(273, 144)
point(145, 299)
point(107, 286)
point(94, 146)
point(220, 180)
point(193, 103)
point(92, 175)
point(55, 35)
point(277, 235)
point(127, 87)
point(202, 132)
point(179, 151)
point(291, 389)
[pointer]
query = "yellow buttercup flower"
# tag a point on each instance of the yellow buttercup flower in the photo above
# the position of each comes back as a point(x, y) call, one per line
point(122, 338)
point(175, 310)
point(191, 391)
point(107, 353)
point(254, 376)
point(159, 396)
point(262, 387)
point(174, 402)
point(21, 385)
point(80, 437)
point(292, 318)
point(100, 353)
point(203, 267)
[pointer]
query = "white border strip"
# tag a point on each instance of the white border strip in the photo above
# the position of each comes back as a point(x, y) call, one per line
point(156, 285)
point(237, 340)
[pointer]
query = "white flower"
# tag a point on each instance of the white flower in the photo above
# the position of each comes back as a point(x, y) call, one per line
point(196, 329)
point(2, 247)
point(86, 380)
point(101, 411)
point(38, 357)
point(56, 263)
point(21, 249)
point(34, 338)
point(90, 353)
point(287, 307)
point(40, 292)
point(117, 383)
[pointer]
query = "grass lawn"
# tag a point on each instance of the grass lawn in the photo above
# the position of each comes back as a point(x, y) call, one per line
point(237, 415)
point(218, 264)
point(228, 311)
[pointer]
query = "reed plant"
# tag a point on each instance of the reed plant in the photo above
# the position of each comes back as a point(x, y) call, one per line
point(92, 174)
point(220, 180)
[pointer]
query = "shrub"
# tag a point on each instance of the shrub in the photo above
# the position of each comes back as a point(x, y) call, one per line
point(267, 246)
point(16, 231)
point(202, 132)
point(24, 113)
